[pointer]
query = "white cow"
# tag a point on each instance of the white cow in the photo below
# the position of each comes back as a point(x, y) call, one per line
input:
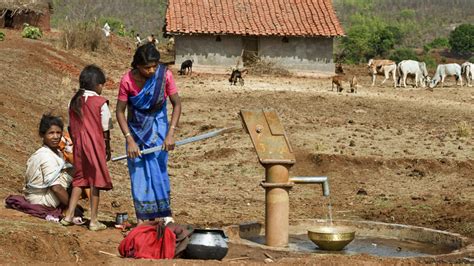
point(467, 70)
point(442, 71)
point(384, 67)
point(414, 68)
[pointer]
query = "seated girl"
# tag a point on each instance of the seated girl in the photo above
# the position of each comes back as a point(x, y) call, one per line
point(47, 178)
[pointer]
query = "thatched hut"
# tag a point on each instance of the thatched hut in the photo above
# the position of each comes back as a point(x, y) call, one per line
point(14, 13)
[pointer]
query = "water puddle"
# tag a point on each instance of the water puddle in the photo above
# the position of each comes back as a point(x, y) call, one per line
point(366, 245)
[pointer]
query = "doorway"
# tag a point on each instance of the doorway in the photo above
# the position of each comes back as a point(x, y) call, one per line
point(9, 19)
point(249, 49)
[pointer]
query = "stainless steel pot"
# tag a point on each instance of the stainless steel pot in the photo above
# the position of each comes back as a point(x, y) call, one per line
point(207, 244)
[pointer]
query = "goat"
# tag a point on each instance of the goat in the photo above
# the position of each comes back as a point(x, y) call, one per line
point(337, 81)
point(354, 84)
point(186, 67)
point(236, 75)
point(339, 69)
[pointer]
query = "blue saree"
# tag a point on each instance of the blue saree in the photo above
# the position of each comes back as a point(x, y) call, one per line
point(148, 123)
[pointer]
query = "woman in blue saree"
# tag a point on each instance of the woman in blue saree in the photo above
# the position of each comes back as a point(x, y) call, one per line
point(143, 91)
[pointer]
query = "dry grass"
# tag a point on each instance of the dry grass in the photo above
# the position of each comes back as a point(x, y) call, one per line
point(463, 129)
point(258, 66)
point(84, 36)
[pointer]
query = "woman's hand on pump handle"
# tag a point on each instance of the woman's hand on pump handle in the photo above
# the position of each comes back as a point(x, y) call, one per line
point(132, 151)
point(169, 143)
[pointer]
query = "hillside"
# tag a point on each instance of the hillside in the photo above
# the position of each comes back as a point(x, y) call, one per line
point(140, 16)
point(421, 21)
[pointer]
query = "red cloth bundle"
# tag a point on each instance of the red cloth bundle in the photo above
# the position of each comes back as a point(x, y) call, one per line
point(143, 242)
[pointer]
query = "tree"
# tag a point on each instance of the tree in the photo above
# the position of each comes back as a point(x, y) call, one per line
point(403, 54)
point(461, 39)
point(385, 39)
point(356, 44)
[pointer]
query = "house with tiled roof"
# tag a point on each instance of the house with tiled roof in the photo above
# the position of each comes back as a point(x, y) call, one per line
point(293, 34)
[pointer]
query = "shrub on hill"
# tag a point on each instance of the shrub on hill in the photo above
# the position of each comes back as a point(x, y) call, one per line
point(363, 42)
point(403, 54)
point(429, 60)
point(2, 36)
point(116, 25)
point(461, 39)
point(436, 43)
point(31, 32)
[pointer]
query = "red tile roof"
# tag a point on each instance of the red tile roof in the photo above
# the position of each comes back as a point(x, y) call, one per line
point(253, 17)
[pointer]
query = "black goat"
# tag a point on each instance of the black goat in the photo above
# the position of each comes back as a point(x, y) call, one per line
point(186, 67)
point(236, 75)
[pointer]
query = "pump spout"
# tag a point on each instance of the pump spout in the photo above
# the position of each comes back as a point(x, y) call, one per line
point(323, 180)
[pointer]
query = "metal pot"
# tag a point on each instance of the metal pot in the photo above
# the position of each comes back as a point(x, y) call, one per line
point(207, 244)
point(331, 237)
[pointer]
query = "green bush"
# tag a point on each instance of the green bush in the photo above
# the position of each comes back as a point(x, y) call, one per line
point(440, 43)
point(429, 60)
point(403, 54)
point(2, 36)
point(436, 43)
point(31, 32)
point(369, 38)
point(461, 39)
point(383, 40)
point(116, 25)
point(427, 48)
point(355, 45)
point(407, 14)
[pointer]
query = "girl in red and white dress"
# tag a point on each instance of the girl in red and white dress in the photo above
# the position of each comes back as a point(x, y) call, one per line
point(89, 121)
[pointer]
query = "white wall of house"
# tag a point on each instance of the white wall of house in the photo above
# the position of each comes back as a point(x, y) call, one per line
point(313, 54)
point(297, 54)
point(206, 51)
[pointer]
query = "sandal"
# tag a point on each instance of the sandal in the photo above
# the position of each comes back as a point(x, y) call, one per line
point(97, 227)
point(64, 222)
point(75, 221)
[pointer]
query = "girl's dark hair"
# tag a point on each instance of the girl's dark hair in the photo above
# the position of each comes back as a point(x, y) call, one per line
point(90, 77)
point(47, 121)
point(145, 54)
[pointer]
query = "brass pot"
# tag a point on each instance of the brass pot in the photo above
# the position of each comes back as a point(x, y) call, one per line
point(331, 237)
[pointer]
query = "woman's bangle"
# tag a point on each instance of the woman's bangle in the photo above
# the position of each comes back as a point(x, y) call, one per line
point(175, 128)
point(128, 134)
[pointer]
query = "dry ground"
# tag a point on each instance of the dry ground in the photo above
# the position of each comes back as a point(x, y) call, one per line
point(392, 155)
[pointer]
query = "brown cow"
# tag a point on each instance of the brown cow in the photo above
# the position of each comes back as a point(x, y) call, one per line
point(382, 66)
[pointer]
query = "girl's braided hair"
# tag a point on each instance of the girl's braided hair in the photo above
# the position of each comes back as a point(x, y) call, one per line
point(90, 77)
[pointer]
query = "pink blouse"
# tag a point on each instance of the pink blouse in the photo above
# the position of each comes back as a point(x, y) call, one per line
point(128, 87)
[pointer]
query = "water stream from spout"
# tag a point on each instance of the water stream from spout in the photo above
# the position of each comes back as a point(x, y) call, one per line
point(330, 210)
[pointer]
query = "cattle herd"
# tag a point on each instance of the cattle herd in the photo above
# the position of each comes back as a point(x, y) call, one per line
point(419, 72)
point(399, 72)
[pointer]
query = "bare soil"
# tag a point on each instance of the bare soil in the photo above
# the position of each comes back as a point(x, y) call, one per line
point(392, 155)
